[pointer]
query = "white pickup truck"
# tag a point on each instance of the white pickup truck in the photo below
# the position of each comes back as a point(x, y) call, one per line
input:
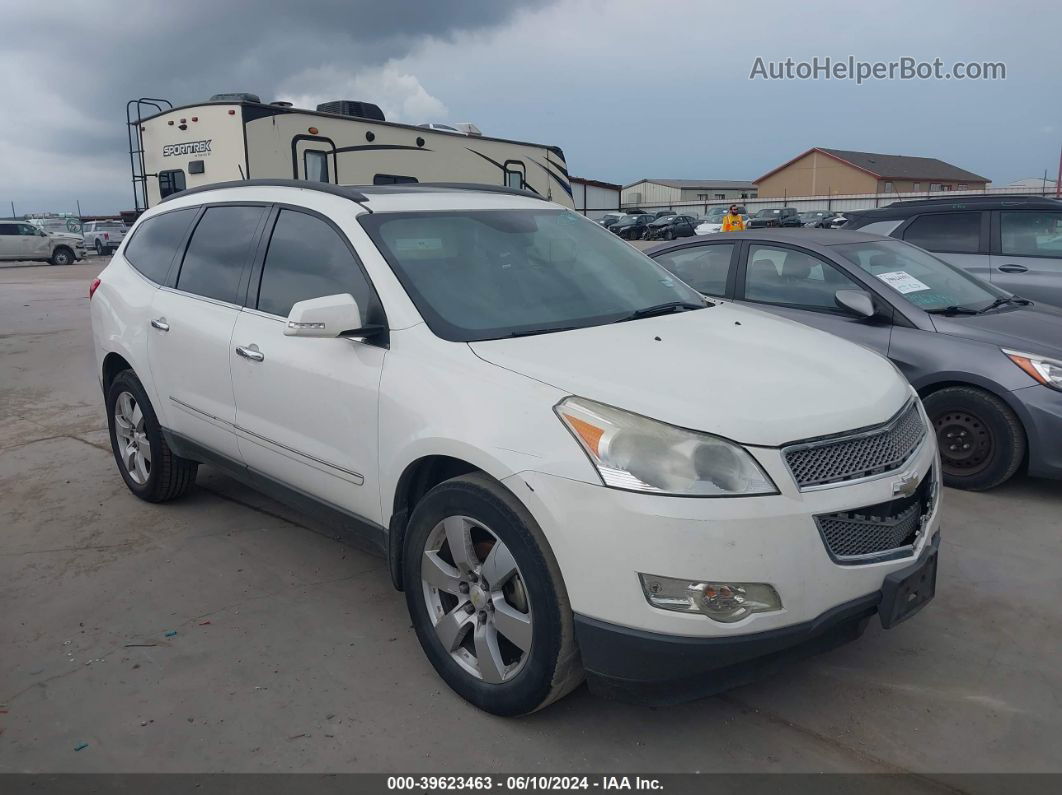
point(104, 236)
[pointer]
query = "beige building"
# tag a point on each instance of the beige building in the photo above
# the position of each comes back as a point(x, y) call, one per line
point(832, 172)
point(665, 192)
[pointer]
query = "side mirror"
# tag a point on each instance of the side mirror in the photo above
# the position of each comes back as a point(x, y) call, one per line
point(858, 302)
point(329, 316)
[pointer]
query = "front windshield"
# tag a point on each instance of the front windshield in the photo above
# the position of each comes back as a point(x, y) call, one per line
point(487, 274)
point(921, 278)
point(715, 215)
point(767, 213)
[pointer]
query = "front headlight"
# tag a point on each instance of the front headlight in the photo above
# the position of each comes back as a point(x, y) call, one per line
point(1045, 370)
point(639, 454)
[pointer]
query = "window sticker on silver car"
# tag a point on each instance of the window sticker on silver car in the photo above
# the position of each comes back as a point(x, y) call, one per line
point(902, 282)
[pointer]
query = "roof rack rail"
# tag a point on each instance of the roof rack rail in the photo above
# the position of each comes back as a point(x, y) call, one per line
point(976, 197)
point(324, 187)
point(356, 193)
point(477, 186)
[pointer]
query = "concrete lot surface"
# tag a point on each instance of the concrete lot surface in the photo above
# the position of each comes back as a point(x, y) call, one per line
point(293, 653)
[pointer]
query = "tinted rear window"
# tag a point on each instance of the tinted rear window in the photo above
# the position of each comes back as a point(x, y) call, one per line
point(218, 252)
point(955, 232)
point(151, 249)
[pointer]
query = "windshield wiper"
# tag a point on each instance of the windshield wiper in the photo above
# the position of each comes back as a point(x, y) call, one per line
point(662, 309)
point(1010, 299)
point(535, 331)
point(954, 310)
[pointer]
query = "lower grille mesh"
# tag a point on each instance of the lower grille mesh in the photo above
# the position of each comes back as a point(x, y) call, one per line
point(889, 529)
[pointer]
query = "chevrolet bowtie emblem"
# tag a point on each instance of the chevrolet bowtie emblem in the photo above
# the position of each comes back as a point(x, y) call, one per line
point(906, 485)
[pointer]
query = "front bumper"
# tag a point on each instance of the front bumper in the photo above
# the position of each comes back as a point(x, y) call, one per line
point(644, 667)
point(1041, 413)
point(603, 538)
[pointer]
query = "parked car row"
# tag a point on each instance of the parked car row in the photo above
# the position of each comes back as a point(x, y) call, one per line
point(21, 240)
point(59, 241)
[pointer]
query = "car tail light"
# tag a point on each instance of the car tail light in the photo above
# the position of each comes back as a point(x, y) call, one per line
point(106, 235)
point(92, 287)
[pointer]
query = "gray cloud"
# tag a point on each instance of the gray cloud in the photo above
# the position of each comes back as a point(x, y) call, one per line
point(69, 73)
point(628, 89)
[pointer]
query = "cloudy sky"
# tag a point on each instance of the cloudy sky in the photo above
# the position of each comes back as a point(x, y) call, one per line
point(629, 89)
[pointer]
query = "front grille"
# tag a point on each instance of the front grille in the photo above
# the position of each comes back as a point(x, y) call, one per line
point(878, 532)
point(864, 454)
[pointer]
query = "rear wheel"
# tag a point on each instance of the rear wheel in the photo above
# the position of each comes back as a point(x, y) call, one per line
point(981, 441)
point(487, 600)
point(62, 256)
point(99, 247)
point(147, 465)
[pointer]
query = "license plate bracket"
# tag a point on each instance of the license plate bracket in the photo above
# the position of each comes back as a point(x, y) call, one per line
point(908, 590)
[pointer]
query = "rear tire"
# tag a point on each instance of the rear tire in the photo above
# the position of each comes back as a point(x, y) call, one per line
point(149, 468)
point(62, 256)
point(541, 664)
point(982, 442)
point(99, 247)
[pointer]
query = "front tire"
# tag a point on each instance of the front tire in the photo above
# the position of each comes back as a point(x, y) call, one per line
point(147, 465)
point(62, 256)
point(487, 600)
point(982, 442)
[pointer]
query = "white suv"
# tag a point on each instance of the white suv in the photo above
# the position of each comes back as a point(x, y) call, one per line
point(575, 465)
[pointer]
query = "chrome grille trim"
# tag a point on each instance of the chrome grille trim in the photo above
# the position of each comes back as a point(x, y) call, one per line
point(887, 531)
point(860, 455)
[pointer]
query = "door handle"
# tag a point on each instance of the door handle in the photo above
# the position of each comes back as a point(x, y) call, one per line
point(160, 323)
point(1013, 268)
point(251, 353)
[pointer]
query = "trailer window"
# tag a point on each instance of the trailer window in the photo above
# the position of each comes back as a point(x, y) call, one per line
point(171, 182)
point(315, 164)
point(392, 179)
point(515, 174)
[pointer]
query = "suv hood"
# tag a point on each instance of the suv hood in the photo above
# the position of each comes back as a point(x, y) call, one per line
point(1029, 329)
point(66, 238)
point(728, 370)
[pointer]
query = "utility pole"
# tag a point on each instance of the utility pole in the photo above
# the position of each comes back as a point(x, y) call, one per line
point(78, 209)
point(1058, 182)
point(12, 209)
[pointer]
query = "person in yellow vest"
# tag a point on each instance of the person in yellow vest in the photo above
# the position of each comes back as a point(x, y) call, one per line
point(732, 221)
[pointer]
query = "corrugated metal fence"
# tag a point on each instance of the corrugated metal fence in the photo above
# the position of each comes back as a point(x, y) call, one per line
point(860, 201)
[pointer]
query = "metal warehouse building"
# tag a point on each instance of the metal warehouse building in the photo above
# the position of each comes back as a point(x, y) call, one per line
point(594, 198)
point(657, 192)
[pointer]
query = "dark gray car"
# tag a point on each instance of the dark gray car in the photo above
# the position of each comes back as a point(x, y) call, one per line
point(987, 365)
point(1015, 242)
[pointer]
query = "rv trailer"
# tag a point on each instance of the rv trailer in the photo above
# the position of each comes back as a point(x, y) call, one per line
point(237, 137)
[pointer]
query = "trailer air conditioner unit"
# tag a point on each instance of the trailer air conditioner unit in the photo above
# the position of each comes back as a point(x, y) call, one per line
point(350, 107)
point(236, 96)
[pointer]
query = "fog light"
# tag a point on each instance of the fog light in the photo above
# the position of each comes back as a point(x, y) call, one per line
point(720, 601)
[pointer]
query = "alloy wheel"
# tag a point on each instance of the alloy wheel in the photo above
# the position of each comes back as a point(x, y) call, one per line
point(476, 599)
point(133, 446)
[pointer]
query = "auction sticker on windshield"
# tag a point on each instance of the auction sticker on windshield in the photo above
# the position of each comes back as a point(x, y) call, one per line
point(902, 281)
